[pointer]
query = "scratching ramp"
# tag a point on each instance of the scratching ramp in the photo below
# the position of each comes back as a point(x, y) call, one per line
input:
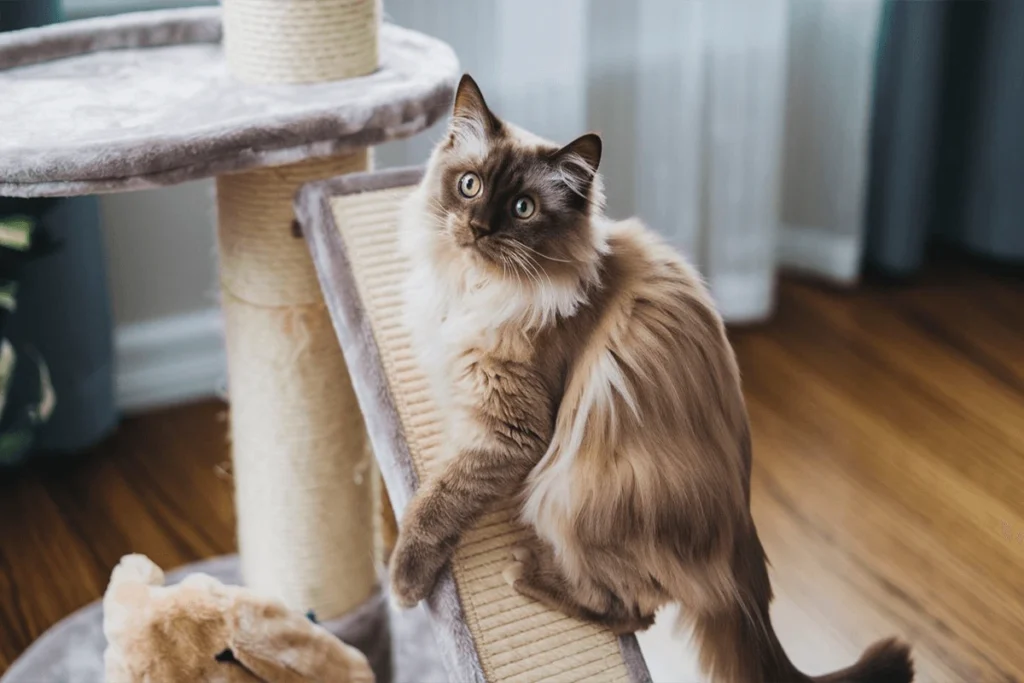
point(486, 631)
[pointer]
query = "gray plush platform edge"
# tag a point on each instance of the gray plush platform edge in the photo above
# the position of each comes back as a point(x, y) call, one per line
point(411, 90)
point(72, 650)
point(120, 31)
point(312, 207)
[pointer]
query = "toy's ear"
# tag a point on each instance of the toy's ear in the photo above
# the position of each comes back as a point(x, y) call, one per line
point(130, 584)
point(136, 569)
point(282, 646)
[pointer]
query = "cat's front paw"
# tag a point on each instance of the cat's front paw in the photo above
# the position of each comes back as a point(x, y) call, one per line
point(414, 571)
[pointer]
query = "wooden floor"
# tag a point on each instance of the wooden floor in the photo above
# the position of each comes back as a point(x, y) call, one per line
point(888, 484)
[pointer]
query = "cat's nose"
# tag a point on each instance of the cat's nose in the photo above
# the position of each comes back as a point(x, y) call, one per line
point(479, 229)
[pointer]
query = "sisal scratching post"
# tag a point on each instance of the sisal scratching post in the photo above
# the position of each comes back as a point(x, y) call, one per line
point(300, 41)
point(304, 476)
point(302, 469)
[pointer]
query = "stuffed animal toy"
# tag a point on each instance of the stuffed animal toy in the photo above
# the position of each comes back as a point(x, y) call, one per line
point(202, 630)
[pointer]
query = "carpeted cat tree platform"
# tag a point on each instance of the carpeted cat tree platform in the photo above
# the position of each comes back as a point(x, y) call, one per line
point(296, 91)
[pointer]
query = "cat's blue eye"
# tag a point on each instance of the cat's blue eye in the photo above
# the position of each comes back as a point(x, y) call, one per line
point(524, 207)
point(469, 185)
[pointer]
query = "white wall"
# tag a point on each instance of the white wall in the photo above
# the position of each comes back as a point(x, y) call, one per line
point(160, 249)
point(162, 272)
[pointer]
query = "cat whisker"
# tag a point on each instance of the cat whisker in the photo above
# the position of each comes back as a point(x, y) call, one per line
point(545, 256)
point(436, 208)
point(523, 267)
point(531, 266)
point(536, 267)
point(516, 263)
point(515, 273)
point(526, 261)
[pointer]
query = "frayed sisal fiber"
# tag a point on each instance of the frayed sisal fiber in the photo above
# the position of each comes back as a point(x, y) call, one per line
point(304, 476)
point(517, 639)
point(300, 41)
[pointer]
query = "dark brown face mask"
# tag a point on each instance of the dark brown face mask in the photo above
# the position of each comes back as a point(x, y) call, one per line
point(522, 204)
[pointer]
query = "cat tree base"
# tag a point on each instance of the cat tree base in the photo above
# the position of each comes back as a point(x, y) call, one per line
point(399, 645)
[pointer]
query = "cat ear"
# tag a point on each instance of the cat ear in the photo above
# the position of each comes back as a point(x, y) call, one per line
point(586, 148)
point(577, 162)
point(470, 106)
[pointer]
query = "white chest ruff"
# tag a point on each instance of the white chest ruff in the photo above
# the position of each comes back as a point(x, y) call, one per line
point(443, 328)
point(448, 317)
point(426, 311)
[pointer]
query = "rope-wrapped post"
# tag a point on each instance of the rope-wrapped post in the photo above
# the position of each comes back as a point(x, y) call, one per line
point(301, 463)
point(305, 489)
point(300, 41)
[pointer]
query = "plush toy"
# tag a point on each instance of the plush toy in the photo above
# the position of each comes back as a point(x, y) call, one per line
point(202, 630)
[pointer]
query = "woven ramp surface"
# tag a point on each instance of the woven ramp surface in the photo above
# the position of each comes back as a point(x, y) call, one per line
point(488, 631)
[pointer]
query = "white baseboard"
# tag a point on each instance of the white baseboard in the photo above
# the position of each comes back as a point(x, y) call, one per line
point(171, 360)
point(821, 252)
point(743, 298)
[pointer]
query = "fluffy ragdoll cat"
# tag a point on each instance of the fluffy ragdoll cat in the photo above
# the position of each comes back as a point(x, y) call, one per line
point(584, 369)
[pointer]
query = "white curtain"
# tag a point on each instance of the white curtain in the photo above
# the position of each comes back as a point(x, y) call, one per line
point(736, 128)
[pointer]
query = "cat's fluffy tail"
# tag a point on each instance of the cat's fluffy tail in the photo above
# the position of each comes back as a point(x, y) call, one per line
point(738, 644)
point(733, 649)
point(887, 661)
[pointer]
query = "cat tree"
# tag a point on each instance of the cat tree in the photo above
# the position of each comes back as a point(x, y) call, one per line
point(298, 90)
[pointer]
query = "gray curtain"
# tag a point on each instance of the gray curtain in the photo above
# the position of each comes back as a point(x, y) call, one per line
point(62, 316)
point(947, 144)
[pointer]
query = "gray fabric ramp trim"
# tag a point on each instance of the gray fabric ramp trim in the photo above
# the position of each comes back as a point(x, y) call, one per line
point(118, 32)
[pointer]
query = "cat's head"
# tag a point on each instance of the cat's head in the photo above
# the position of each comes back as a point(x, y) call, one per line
point(512, 203)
